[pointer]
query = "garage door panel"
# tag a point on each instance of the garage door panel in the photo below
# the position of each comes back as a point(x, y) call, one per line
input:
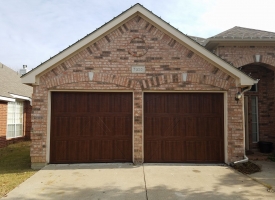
point(202, 127)
point(121, 154)
point(152, 151)
point(194, 104)
point(78, 150)
point(172, 126)
point(189, 129)
point(89, 127)
point(216, 127)
point(172, 109)
point(61, 130)
point(196, 151)
point(84, 126)
point(215, 150)
point(151, 101)
point(59, 107)
point(123, 125)
point(153, 125)
point(183, 104)
point(78, 104)
point(105, 126)
point(60, 149)
point(172, 151)
point(102, 150)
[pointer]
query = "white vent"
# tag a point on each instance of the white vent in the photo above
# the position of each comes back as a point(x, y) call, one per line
point(24, 70)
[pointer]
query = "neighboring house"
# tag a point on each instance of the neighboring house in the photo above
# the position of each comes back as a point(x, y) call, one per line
point(138, 90)
point(15, 107)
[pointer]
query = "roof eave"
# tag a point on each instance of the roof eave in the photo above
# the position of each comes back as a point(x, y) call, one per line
point(7, 99)
point(212, 43)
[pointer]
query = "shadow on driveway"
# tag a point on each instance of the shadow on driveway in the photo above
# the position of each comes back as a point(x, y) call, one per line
point(125, 181)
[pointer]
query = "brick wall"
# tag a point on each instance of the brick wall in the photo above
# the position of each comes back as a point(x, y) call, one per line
point(110, 59)
point(27, 120)
point(265, 94)
point(245, 57)
point(3, 123)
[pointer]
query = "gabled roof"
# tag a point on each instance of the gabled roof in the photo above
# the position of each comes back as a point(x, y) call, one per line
point(245, 33)
point(11, 84)
point(33, 76)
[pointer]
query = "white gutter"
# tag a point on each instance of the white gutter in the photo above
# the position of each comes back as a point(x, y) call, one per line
point(245, 157)
point(21, 97)
point(6, 99)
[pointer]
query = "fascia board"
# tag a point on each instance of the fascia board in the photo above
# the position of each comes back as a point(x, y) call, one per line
point(20, 97)
point(213, 43)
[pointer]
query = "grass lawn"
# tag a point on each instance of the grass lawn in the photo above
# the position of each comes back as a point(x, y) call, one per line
point(15, 166)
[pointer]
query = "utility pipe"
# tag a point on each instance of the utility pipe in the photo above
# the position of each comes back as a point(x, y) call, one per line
point(245, 157)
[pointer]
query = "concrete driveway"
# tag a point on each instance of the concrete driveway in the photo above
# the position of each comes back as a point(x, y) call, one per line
point(149, 181)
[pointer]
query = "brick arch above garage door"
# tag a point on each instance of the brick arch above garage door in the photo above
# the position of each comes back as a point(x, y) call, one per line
point(184, 127)
point(144, 83)
point(91, 127)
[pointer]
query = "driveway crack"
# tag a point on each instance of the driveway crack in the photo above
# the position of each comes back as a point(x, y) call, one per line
point(145, 186)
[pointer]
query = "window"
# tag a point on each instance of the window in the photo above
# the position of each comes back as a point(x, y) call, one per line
point(15, 120)
point(254, 115)
point(254, 88)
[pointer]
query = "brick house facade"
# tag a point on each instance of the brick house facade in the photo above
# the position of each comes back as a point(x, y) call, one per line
point(13, 91)
point(243, 56)
point(139, 53)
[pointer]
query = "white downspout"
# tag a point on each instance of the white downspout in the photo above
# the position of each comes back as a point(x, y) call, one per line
point(245, 157)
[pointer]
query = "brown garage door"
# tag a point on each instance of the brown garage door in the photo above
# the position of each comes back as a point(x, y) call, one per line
point(91, 127)
point(183, 127)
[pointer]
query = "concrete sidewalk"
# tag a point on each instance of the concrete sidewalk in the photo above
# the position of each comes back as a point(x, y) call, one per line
point(149, 181)
point(267, 175)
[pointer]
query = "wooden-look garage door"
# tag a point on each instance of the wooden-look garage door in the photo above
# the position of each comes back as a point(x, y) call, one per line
point(91, 127)
point(184, 127)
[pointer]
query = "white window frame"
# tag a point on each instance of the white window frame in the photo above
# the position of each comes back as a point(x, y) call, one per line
point(257, 120)
point(15, 119)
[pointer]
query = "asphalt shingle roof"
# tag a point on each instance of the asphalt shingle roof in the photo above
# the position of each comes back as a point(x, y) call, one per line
point(10, 82)
point(244, 33)
point(198, 39)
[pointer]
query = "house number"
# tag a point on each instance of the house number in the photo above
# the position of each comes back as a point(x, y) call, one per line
point(138, 69)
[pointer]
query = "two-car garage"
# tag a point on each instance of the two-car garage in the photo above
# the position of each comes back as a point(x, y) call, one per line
point(91, 127)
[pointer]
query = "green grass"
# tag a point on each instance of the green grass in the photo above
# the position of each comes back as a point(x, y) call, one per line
point(15, 166)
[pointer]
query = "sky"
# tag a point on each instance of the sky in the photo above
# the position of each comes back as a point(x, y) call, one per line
point(32, 31)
